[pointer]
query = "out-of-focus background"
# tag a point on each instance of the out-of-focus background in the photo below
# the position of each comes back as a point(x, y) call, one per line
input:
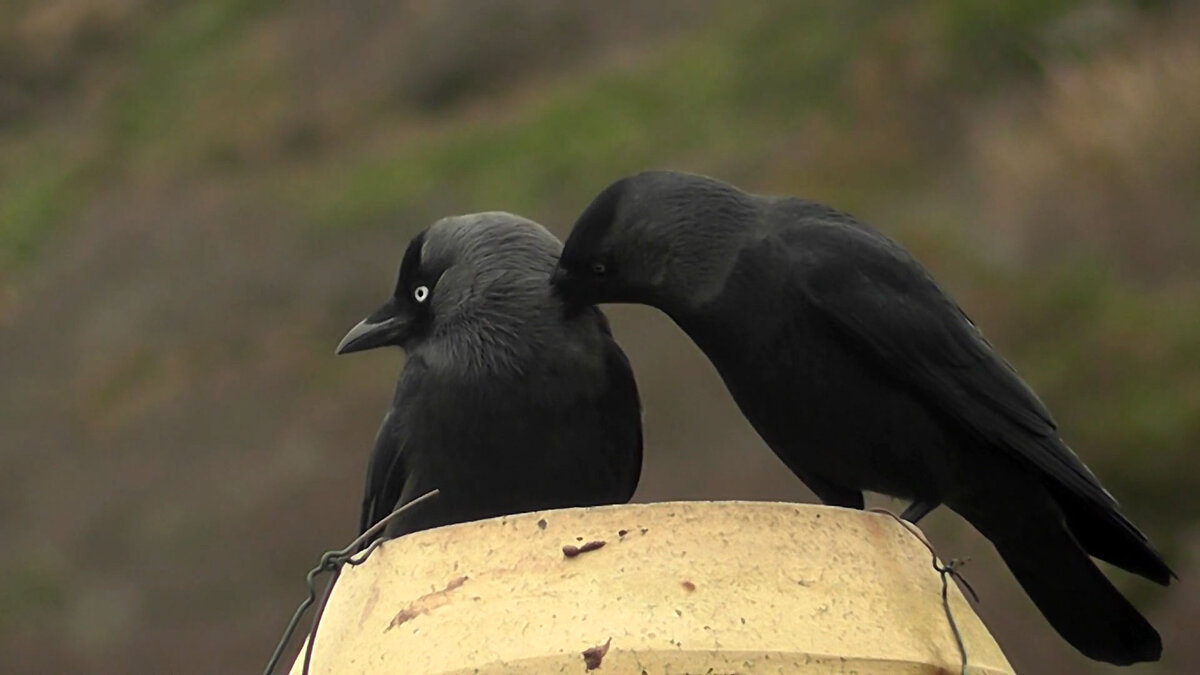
point(197, 199)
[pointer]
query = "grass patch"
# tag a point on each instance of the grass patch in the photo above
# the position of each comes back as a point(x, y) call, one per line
point(32, 588)
point(37, 196)
point(178, 62)
point(721, 92)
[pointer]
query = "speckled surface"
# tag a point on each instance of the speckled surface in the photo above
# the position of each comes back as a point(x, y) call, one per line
point(689, 587)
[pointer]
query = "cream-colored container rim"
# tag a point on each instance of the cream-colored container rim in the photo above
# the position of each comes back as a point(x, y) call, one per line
point(676, 587)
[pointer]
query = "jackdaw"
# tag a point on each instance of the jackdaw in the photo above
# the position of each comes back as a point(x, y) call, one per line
point(505, 403)
point(862, 374)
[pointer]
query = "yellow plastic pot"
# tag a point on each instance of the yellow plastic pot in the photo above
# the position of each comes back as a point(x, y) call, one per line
point(681, 587)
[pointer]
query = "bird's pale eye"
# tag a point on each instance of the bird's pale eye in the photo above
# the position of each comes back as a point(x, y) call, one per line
point(421, 293)
point(599, 269)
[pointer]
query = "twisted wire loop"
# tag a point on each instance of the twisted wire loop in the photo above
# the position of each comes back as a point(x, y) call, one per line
point(332, 561)
point(944, 571)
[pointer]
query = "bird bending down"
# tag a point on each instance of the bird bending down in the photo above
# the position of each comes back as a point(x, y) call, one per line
point(861, 374)
point(506, 403)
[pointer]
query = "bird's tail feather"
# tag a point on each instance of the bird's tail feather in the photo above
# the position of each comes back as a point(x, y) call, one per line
point(1073, 594)
point(1106, 534)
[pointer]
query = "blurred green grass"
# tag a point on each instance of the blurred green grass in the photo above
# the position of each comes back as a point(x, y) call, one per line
point(36, 196)
point(723, 93)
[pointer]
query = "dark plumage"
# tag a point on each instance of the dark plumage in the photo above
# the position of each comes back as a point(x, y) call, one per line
point(862, 374)
point(505, 404)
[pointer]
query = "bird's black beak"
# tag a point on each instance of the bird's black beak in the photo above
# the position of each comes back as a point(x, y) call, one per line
point(385, 326)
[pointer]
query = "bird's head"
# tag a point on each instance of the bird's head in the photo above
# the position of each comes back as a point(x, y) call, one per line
point(477, 279)
point(660, 238)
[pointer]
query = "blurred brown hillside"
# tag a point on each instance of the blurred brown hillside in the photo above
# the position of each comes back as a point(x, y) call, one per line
point(197, 199)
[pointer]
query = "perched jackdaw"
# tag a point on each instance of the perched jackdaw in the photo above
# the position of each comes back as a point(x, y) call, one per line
point(505, 404)
point(861, 374)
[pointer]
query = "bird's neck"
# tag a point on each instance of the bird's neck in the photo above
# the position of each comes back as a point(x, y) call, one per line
point(495, 343)
point(700, 259)
point(738, 317)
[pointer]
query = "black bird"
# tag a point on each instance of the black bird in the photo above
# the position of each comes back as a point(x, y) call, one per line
point(862, 374)
point(505, 403)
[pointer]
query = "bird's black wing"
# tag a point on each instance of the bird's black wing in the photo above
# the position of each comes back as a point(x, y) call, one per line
point(385, 473)
point(621, 408)
point(887, 307)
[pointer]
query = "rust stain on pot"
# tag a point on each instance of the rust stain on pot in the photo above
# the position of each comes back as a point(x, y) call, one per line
point(425, 604)
point(369, 604)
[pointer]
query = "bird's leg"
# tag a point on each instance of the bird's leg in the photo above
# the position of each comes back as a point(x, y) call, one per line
point(918, 510)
